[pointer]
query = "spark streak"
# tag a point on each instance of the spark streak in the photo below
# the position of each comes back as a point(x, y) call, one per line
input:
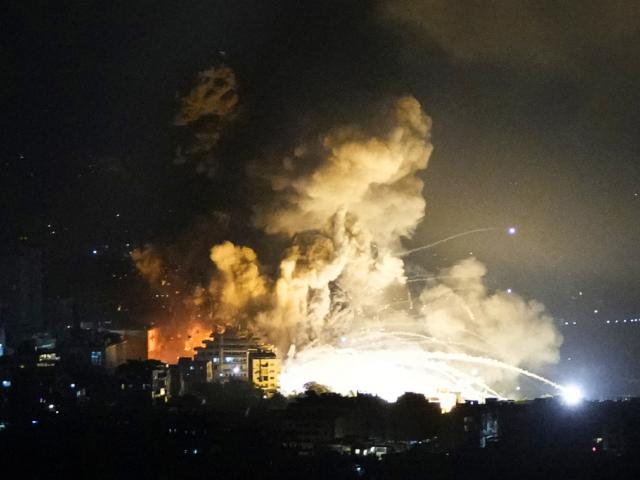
point(452, 237)
point(385, 363)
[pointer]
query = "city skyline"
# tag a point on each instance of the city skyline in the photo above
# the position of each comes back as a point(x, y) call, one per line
point(537, 137)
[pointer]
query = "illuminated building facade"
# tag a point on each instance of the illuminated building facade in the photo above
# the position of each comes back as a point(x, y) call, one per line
point(264, 368)
point(235, 354)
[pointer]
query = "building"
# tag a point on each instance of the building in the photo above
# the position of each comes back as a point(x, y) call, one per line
point(142, 382)
point(132, 346)
point(21, 295)
point(183, 377)
point(264, 371)
point(159, 382)
point(229, 354)
point(235, 354)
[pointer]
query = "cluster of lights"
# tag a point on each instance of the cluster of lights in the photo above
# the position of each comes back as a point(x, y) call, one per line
point(102, 248)
point(630, 320)
point(609, 322)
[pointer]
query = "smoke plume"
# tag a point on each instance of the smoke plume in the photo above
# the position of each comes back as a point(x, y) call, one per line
point(343, 201)
point(345, 215)
point(205, 112)
point(461, 309)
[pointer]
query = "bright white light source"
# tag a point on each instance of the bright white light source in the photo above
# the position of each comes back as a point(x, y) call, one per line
point(572, 395)
point(512, 230)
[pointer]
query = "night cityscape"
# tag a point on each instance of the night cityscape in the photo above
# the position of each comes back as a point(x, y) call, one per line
point(378, 239)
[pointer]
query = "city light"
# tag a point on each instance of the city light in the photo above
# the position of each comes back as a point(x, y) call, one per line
point(512, 230)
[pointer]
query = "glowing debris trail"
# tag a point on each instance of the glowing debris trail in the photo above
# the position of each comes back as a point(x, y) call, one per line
point(452, 237)
point(387, 369)
point(491, 362)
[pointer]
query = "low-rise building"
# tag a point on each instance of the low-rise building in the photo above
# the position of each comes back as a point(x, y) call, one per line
point(188, 373)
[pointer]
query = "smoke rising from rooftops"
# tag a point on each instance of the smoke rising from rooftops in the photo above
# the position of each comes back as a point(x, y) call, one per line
point(342, 201)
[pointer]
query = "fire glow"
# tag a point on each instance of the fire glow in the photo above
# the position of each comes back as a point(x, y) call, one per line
point(341, 303)
point(169, 344)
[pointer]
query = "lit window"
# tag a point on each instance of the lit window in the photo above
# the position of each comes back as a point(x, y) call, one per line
point(96, 358)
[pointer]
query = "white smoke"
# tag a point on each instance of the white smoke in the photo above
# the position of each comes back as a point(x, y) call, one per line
point(500, 324)
point(346, 201)
point(205, 114)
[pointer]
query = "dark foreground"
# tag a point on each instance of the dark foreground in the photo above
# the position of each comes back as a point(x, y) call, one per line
point(324, 437)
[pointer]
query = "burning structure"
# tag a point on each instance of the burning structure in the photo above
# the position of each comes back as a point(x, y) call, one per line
point(239, 355)
point(339, 302)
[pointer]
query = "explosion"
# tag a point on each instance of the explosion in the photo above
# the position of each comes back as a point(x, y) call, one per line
point(340, 304)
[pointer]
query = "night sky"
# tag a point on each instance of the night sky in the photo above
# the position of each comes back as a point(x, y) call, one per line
point(534, 107)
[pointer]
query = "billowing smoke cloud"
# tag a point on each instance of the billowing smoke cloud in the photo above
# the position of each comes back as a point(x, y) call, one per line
point(238, 287)
point(343, 202)
point(455, 339)
point(346, 215)
point(461, 309)
point(149, 263)
point(206, 111)
point(371, 177)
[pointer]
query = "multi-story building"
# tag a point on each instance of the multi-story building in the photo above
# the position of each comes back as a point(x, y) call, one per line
point(187, 374)
point(235, 354)
point(264, 371)
point(142, 381)
point(228, 351)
